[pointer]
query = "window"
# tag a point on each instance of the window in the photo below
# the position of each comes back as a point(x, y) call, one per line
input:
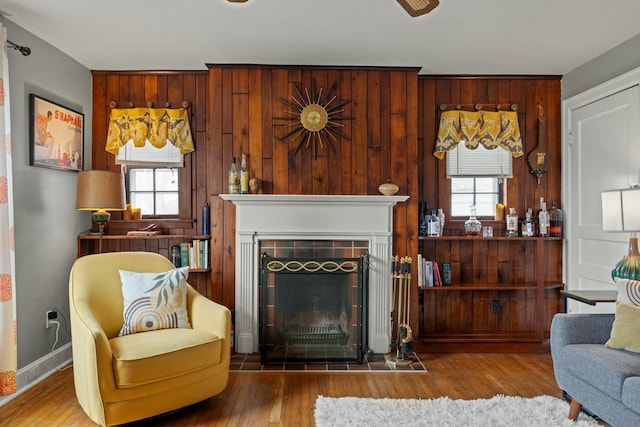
point(154, 190)
point(482, 192)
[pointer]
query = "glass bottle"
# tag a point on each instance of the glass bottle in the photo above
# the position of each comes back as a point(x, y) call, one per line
point(512, 223)
point(556, 223)
point(244, 175)
point(441, 219)
point(234, 178)
point(433, 225)
point(528, 225)
point(543, 220)
point(472, 226)
point(422, 226)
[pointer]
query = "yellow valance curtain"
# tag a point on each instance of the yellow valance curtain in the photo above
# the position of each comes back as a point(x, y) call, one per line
point(156, 125)
point(492, 129)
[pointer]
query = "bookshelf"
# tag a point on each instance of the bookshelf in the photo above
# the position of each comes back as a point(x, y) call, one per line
point(160, 243)
point(503, 290)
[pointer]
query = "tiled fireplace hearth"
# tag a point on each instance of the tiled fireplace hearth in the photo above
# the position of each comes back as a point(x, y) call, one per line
point(271, 217)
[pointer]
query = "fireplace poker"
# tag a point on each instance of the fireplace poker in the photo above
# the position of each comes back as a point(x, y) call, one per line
point(401, 286)
point(394, 277)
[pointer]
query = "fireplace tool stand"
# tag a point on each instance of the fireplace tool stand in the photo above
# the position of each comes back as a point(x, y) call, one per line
point(401, 299)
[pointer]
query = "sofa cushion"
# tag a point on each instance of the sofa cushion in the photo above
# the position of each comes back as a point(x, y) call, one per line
point(631, 394)
point(159, 355)
point(603, 368)
point(154, 300)
point(624, 333)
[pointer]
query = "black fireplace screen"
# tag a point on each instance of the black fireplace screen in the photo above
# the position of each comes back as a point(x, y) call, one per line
point(313, 308)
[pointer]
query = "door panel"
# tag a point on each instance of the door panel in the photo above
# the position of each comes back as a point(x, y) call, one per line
point(604, 154)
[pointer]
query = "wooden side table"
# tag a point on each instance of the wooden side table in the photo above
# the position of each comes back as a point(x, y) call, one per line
point(588, 297)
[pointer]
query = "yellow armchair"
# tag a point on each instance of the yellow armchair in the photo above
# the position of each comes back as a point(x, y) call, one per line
point(132, 377)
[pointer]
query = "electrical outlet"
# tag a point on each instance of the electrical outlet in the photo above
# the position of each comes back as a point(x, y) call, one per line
point(51, 315)
point(33, 373)
point(495, 306)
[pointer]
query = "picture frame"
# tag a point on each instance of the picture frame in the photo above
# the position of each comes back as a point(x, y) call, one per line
point(56, 135)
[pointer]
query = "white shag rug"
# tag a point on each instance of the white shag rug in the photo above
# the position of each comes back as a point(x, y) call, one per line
point(540, 411)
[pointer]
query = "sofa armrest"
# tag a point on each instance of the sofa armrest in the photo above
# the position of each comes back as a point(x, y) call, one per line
point(582, 328)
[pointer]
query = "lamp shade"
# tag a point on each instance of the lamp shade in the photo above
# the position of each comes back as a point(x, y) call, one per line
point(100, 190)
point(621, 210)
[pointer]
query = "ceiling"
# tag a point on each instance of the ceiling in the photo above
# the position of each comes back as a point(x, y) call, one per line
point(458, 37)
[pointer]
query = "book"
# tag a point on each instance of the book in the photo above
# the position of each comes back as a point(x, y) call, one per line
point(204, 254)
point(184, 254)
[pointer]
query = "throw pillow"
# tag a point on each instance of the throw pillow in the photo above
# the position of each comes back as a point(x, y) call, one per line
point(628, 291)
point(624, 333)
point(154, 300)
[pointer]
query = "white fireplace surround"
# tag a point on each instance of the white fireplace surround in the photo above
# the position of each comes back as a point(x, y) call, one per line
point(312, 217)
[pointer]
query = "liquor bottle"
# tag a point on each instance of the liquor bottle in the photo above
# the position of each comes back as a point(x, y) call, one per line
point(206, 219)
point(543, 219)
point(244, 175)
point(433, 225)
point(422, 226)
point(234, 178)
point(556, 223)
point(528, 225)
point(441, 219)
point(512, 223)
point(472, 226)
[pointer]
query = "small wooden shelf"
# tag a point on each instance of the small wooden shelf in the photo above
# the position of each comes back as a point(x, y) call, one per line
point(157, 236)
point(159, 243)
point(491, 287)
point(480, 238)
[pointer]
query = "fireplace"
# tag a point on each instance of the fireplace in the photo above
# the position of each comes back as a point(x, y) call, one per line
point(313, 308)
point(275, 217)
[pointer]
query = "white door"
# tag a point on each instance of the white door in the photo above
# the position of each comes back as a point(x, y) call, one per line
point(603, 154)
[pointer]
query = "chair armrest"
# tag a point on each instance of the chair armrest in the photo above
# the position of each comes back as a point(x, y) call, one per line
point(208, 315)
point(581, 328)
point(92, 353)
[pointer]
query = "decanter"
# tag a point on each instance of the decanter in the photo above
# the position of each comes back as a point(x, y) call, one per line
point(472, 226)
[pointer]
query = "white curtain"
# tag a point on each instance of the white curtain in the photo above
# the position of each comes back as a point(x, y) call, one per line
point(8, 330)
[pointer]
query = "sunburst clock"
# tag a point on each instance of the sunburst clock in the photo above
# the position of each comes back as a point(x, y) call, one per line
point(314, 118)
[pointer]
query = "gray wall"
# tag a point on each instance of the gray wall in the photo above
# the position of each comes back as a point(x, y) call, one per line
point(613, 63)
point(46, 222)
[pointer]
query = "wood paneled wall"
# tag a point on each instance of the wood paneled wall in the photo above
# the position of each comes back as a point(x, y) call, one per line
point(232, 112)
point(381, 144)
point(527, 92)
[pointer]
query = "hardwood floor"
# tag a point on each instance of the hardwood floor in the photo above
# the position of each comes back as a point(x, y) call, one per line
point(287, 399)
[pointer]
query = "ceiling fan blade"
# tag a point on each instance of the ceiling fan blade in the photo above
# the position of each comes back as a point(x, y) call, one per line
point(418, 7)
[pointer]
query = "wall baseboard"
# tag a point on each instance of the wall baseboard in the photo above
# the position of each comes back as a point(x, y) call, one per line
point(38, 370)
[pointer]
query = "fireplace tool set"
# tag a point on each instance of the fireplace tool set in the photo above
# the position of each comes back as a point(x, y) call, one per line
point(400, 303)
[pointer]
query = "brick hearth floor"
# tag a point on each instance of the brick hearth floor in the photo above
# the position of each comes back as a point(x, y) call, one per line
point(372, 362)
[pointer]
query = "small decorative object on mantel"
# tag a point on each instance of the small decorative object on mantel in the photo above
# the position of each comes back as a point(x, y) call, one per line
point(388, 188)
point(254, 185)
point(539, 158)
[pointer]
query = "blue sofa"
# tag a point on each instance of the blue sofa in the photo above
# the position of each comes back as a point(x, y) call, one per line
point(603, 381)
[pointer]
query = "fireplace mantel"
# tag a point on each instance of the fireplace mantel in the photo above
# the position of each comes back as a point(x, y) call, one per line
point(312, 217)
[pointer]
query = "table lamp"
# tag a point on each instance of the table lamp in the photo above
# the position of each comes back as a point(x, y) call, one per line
point(621, 212)
point(100, 191)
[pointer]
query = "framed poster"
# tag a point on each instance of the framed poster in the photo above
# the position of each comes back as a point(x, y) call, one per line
point(56, 135)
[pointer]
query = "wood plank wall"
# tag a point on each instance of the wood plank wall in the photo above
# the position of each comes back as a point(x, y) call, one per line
point(233, 110)
point(158, 88)
point(527, 92)
point(522, 190)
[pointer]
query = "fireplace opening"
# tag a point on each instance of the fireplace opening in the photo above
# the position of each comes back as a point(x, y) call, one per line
point(313, 308)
